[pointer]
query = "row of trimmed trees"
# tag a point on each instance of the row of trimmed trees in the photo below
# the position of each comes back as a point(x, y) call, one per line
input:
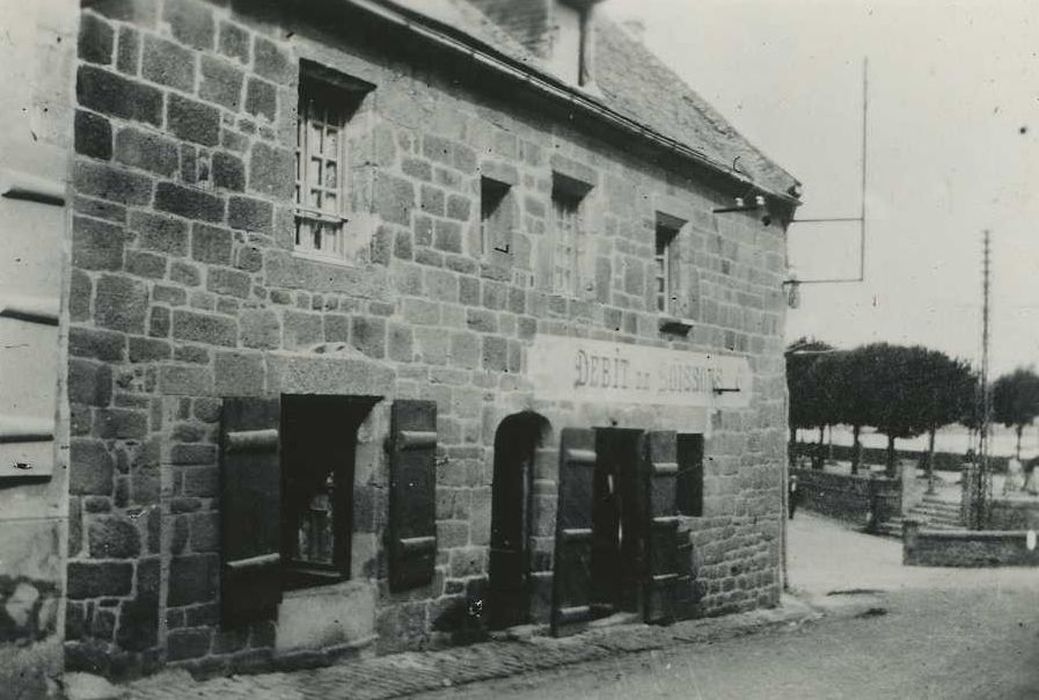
point(900, 391)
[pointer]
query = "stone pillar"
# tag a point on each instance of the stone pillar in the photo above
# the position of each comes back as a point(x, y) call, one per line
point(910, 530)
point(968, 490)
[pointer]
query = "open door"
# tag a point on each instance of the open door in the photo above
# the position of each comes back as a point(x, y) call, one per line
point(571, 603)
point(664, 570)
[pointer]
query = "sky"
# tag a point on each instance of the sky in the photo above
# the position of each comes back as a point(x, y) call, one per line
point(953, 149)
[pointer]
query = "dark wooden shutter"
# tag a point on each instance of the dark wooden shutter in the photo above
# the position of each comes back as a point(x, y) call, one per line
point(413, 478)
point(662, 571)
point(686, 598)
point(250, 508)
point(572, 570)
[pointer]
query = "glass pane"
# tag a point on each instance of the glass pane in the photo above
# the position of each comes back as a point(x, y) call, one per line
point(317, 231)
point(314, 143)
point(330, 203)
point(314, 199)
point(332, 143)
point(314, 171)
point(331, 175)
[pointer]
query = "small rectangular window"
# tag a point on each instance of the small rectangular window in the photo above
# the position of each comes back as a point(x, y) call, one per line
point(323, 165)
point(689, 480)
point(495, 219)
point(665, 265)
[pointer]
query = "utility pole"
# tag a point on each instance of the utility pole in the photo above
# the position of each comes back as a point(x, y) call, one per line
point(982, 486)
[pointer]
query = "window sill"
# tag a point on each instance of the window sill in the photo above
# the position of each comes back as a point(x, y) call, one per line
point(319, 258)
point(303, 578)
point(674, 326)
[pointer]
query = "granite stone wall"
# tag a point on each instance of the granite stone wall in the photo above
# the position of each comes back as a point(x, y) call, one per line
point(185, 289)
point(966, 548)
point(864, 499)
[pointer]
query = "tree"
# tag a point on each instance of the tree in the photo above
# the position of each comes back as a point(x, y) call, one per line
point(898, 404)
point(1015, 400)
point(857, 391)
point(943, 392)
point(806, 401)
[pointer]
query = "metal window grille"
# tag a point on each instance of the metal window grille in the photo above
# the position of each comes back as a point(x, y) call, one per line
point(568, 228)
point(319, 173)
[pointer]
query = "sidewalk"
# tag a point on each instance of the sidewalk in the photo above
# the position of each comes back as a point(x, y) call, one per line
point(824, 557)
point(414, 672)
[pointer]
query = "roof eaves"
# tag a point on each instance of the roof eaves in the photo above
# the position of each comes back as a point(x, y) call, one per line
point(547, 83)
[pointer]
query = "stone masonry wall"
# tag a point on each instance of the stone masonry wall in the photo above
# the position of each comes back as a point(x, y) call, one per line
point(966, 548)
point(185, 289)
point(864, 499)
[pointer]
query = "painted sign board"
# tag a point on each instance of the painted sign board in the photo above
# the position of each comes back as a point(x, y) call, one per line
point(596, 371)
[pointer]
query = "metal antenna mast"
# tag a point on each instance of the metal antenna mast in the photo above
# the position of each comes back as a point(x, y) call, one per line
point(861, 218)
point(982, 483)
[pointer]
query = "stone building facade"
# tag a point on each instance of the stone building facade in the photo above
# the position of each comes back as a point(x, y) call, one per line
point(391, 321)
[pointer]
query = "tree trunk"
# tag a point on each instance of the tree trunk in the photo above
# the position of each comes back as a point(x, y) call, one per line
point(930, 461)
point(1019, 428)
point(817, 459)
point(793, 446)
point(890, 466)
point(856, 449)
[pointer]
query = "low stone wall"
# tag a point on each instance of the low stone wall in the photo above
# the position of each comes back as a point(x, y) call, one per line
point(862, 499)
point(1013, 514)
point(965, 548)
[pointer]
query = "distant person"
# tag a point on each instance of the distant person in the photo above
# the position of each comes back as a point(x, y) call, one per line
point(1015, 478)
point(793, 498)
point(1032, 476)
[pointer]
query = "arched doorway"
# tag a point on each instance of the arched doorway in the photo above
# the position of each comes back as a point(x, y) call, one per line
point(515, 444)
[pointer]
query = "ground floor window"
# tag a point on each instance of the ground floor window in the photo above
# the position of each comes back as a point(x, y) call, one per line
point(319, 442)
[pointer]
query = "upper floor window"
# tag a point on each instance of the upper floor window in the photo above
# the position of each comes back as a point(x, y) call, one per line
point(323, 163)
point(568, 204)
point(496, 220)
point(665, 264)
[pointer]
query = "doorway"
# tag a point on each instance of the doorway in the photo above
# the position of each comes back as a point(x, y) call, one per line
point(618, 523)
point(515, 445)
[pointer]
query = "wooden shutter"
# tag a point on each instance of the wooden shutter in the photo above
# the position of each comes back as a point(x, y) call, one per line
point(250, 508)
point(572, 571)
point(662, 571)
point(412, 531)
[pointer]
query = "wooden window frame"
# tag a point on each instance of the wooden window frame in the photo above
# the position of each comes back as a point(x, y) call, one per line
point(667, 285)
point(569, 197)
point(328, 100)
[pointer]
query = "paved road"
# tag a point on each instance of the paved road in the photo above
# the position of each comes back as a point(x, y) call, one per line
point(931, 633)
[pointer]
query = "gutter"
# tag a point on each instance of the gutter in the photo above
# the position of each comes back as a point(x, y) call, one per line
point(442, 35)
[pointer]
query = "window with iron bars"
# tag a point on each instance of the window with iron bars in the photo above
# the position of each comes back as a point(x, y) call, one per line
point(323, 166)
point(567, 208)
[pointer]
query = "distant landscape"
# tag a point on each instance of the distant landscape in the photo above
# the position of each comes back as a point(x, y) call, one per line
point(954, 439)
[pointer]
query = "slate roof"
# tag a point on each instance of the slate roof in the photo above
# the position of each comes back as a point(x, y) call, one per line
point(631, 81)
